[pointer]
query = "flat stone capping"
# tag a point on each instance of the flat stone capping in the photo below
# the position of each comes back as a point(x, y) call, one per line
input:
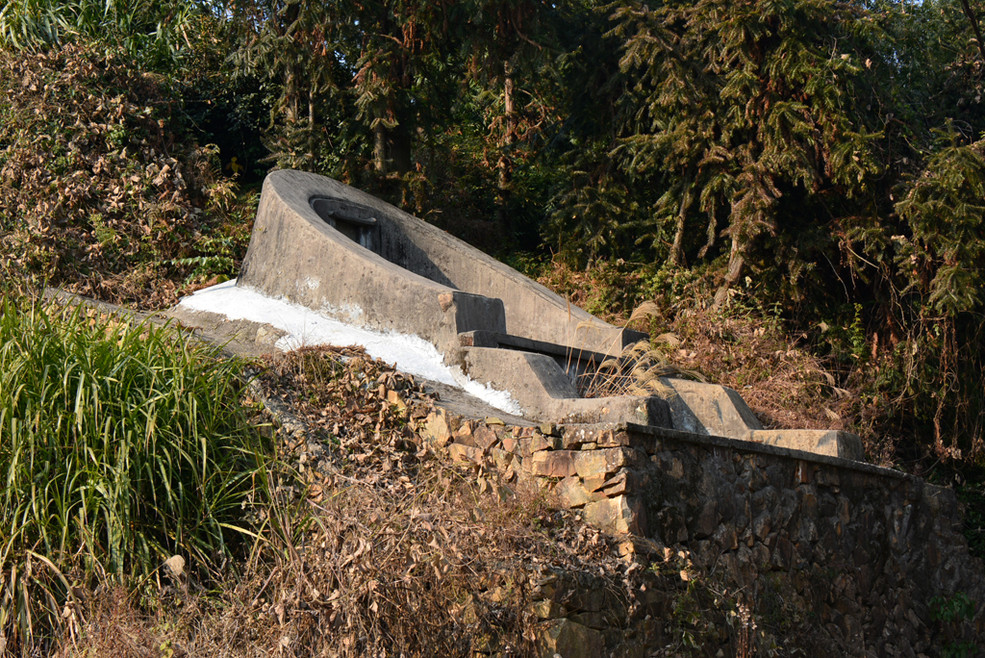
point(833, 443)
point(762, 448)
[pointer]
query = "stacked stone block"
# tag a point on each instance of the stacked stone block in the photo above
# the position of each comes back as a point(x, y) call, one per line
point(867, 551)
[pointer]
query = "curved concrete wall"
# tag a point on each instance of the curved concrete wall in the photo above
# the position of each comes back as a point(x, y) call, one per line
point(295, 254)
point(331, 247)
point(422, 281)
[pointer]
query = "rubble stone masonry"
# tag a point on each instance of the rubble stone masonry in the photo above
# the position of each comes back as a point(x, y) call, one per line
point(871, 554)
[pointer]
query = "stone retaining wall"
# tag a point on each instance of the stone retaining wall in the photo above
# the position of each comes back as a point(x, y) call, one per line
point(867, 559)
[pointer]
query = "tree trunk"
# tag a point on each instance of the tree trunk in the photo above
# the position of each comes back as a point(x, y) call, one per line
point(291, 101)
point(504, 175)
point(677, 248)
point(379, 150)
point(736, 261)
point(311, 129)
point(292, 84)
point(973, 20)
point(399, 146)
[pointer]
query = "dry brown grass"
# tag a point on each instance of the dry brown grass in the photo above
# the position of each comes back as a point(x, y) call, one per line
point(638, 369)
point(747, 349)
point(380, 548)
point(782, 382)
point(610, 291)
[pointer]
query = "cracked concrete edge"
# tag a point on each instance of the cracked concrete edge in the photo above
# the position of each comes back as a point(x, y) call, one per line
point(239, 337)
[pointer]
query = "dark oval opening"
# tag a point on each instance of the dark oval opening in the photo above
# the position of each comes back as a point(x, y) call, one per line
point(354, 221)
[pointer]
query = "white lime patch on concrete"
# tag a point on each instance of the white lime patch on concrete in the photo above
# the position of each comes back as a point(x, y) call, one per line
point(305, 327)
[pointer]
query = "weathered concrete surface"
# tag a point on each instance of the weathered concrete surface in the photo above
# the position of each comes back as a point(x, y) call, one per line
point(833, 443)
point(239, 337)
point(295, 254)
point(709, 409)
point(573, 362)
point(340, 251)
point(418, 280)
point(712, 410)
point(548, 392)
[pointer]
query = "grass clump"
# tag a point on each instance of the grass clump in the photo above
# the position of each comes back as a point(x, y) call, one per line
point(121, 445)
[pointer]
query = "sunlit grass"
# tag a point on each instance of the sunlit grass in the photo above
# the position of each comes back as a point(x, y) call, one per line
point(120, 446)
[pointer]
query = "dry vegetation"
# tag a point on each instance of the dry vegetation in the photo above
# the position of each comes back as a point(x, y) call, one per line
point(738, 346)
point(99, 194)
point(380, 548)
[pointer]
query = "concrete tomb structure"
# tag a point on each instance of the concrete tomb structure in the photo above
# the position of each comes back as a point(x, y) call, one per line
point(344, 253)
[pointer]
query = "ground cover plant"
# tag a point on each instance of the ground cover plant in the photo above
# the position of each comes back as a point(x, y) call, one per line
point(97, 195)
point(121, 447)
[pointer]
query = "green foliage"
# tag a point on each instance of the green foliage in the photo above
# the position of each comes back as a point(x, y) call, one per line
point(953, 608)
point(923, 265)
point(423, 103)
point(120, 446)
point(742, 114)
point(597, 214)
point(293, 51)
point(791, 148)
point(153, 31)
point(955, 613)
point(943, 256)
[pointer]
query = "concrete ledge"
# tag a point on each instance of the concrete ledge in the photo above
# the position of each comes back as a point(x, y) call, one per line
point(643, 431)
point(833, 443)
point(709, 409)
point(506, 341)
point(545, 391)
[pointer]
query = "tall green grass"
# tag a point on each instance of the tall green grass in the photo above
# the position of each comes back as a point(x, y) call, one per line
point(120, 446)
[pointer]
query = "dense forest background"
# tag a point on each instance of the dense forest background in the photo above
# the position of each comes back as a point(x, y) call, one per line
point(816, 164)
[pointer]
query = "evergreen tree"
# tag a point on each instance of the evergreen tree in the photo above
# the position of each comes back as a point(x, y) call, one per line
point(743, 114)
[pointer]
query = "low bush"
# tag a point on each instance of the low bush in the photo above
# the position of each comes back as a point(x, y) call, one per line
point(102, 189)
